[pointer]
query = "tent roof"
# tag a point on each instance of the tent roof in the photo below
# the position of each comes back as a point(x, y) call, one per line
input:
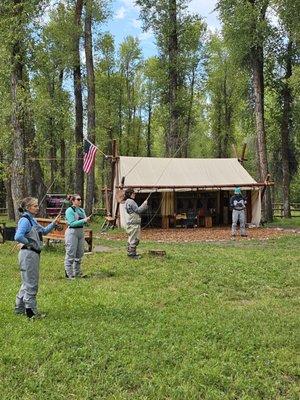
point(183, 172)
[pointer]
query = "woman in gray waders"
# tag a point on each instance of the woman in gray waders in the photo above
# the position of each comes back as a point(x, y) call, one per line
point(29, 236)
point(74, 237)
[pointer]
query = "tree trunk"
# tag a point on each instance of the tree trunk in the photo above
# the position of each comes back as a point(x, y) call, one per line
point(218, 127)
point(129, 114)
point(90, 187)
point(26, 174)
point(9, 200)
point(34, 175)
point(6, 200)
point(172, 141)
point(189, 117)
point(51, 137)
point(62, 165)
point(258, 86)
point(120, 119)
point(286, 125)
point(18, 164)
point(79, 177)
point(62, 146)
point(149, 128)
point(227, 116)
point(139, 132)
point(2, 186)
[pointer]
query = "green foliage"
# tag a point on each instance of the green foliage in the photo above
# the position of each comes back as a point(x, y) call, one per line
point(244, 27)
point(214, 97)
point(209, 321)
point(175, 29)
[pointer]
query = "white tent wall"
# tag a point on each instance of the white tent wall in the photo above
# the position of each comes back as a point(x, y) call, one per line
point(256, 207)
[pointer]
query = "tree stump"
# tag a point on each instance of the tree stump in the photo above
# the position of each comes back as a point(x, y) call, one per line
point(159, 253)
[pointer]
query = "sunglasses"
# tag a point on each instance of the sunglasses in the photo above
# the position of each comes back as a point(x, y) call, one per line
point(78, 198)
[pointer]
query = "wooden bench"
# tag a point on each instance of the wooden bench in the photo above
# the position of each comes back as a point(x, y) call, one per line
point(59, 233)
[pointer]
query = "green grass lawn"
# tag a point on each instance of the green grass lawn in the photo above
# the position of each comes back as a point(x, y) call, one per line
point(208, 321)
point(293, 223)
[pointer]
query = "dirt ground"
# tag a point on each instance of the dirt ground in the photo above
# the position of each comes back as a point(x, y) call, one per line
point(204, 234)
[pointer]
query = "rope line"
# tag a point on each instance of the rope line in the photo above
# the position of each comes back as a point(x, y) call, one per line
point(41, 202)
point(154, 215)
point(105, 155)
point(169, 162)
point(133, 166)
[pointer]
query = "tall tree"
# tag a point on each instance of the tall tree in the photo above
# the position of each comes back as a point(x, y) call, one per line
point(51, 100)
point(79, 177)
point(246, 30)
point(221, 84)
point(174, 79)
point(130, 65)
point(289, 36)
point(193, 58)
point(171, 25)
point(286, 126)
point(26, 173)
point(5, 122)
point(150, 91)
point(91, 117)
point(109, 101)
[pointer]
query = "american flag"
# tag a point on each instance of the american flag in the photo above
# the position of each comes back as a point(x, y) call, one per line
point(89, 153)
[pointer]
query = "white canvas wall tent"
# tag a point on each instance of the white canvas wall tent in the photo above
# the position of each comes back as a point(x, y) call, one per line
point(205, 185)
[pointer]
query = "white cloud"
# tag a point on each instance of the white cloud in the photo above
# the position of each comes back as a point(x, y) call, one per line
point(120, 13)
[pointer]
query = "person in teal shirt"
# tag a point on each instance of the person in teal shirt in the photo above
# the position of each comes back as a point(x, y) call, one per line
point(74, 237)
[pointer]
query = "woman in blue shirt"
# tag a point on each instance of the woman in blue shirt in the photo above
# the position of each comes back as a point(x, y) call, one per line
point(29, 236)
point(74, 237)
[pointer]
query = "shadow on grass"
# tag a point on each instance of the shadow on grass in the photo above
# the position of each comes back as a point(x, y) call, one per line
point(125, 317)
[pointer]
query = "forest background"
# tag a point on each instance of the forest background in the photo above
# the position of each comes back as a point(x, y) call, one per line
point(63, 78)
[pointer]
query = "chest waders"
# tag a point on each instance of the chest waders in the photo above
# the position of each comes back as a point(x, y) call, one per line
point(134, 233)
point(74, 242)
point(238, 215)
point(29, 261)
point(133, 229)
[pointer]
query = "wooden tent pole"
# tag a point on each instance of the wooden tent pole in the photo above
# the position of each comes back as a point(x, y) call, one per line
point(267, 183)
point(242, 159)
point(234, 151)
point(252, 185)
point(107, 205)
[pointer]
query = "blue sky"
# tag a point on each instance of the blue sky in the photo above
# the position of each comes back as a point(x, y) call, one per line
point(125, 21)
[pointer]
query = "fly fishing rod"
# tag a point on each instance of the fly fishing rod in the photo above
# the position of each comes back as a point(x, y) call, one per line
point(153, 191)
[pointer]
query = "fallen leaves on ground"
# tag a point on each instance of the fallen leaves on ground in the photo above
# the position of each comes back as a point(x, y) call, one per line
point(181, 235)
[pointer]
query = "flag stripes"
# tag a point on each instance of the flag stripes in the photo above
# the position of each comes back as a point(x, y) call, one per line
point(89, 154)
